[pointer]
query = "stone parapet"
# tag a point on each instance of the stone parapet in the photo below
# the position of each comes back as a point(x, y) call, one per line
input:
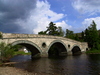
point(11, 35)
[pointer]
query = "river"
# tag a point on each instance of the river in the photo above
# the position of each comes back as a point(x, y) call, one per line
point(71, 65)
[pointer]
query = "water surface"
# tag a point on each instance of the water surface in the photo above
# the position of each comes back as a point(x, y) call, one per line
point(70, 65)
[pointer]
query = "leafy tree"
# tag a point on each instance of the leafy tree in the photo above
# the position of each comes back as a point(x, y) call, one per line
point(69, 34)
point(17, 47)
point(91, 36)
point(82, 34)
point(42, 32)
point(60, 31)
point(99, 35)
point(76, 37)
point(52, 29)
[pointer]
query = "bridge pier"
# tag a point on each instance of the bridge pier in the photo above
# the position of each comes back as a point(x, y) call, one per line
point(70, 53)
point(44, 54)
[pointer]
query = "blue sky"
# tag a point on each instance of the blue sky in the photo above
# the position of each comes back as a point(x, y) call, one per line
point(32, 16)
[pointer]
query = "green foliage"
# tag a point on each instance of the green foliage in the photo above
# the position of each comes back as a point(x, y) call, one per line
point(60, 31)
point(82, 34)
point(52, 29)
point(76, 37)
point(91, 36)
point(42, 33)
point(69, 34)
point(93, 51)
point(21, 53)
point(16, 47)
point(6, 51)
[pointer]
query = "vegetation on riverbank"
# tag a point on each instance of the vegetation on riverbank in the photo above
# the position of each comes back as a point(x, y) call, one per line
point(93, 51)
point(21, 53)
point(7, 51)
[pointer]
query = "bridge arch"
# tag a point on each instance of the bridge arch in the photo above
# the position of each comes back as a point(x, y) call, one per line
point(76, 50)
point(30, 45)
point(58, 46)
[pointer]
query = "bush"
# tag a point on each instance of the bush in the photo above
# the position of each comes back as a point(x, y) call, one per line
point(6, 51)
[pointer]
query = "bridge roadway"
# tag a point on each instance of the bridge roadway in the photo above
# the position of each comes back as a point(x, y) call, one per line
point(41, 45)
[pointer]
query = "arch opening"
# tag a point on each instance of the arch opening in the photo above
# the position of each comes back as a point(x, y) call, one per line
point(57, 49)
point(35, 52)
point(76, 50)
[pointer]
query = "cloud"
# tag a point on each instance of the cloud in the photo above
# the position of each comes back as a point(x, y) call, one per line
point(44, 15)
point(33, 16)
point(87, 6)
point(88, 21)
point(12, 11)
point(64, 25)
point(28, 16)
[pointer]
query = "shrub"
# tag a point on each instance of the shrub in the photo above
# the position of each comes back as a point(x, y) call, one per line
point(6, 51)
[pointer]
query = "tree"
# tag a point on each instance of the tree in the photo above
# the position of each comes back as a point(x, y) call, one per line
point(69, 34)
point(60, 31)
point(52, 29)
point(91, 36)
point(76, 37)
point(82, 34)
point(42, 32)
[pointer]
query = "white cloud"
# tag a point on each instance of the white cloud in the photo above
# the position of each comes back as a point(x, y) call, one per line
point(43, 16)
point(88, 21)
point(87, 6)
point(64, 25)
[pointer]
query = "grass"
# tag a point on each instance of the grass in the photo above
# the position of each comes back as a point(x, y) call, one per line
point(22, 53)
point(93, 51)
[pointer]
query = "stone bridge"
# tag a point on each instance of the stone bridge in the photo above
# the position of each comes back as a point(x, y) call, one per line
point(43, 45)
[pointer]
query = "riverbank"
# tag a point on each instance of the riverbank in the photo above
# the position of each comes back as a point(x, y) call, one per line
point(16, 71)
point(13, 71)
point(93, 52)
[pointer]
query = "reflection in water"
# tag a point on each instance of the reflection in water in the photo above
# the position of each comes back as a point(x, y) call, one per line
point(71, 65)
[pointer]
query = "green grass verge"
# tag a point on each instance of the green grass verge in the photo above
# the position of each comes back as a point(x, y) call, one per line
point(93, 52)
point(22, 53)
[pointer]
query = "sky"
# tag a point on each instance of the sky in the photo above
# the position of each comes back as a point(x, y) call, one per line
point(33, 16)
